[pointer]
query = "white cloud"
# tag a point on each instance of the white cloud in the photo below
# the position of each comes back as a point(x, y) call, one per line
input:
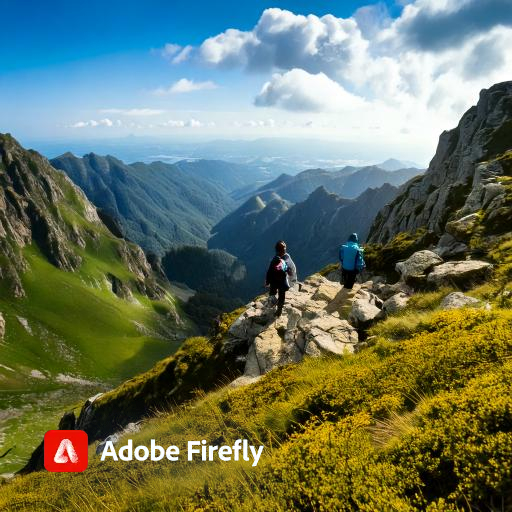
point(173, 123)
point(299, 90)
point(185, 85)
point(321, 63)
point(194, 123)
point(170, 50)
point(191, 123)
point(133, 112)
point(183, 55)
point(92, 123)
point(175, 53)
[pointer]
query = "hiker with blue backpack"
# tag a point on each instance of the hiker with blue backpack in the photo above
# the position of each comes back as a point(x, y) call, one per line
point(352, 261)
point(281, 275)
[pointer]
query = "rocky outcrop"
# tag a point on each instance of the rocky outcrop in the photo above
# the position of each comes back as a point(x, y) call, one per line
point(462, 274)
point(418, 264)
point(457, 300)
point(462, 178)
point(314, 321)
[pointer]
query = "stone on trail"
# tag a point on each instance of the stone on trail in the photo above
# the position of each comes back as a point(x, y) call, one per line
point(457, 300)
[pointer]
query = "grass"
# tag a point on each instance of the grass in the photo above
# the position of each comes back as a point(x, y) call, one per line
point(354, 432)
point(78, 329)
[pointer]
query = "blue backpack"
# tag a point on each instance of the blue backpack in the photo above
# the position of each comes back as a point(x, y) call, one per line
point(352, 257)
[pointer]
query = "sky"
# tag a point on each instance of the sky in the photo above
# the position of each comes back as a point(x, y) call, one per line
point(394, 73)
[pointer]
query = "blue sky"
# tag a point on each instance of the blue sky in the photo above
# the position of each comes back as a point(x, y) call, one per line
point(324, 69)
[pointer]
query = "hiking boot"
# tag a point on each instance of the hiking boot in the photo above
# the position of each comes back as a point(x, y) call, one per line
point(272, 301)
point(279, 311)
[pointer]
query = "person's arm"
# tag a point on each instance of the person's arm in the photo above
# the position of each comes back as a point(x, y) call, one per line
point(267, 277)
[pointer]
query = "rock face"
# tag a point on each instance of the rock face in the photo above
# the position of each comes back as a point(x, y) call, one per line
point(42, 206)
point(458, 300)
point(463, 274)
point(313, 322)
point(461, 179)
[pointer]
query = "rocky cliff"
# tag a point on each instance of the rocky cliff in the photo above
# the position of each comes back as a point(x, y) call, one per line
point(42, 206)
point(467, 177)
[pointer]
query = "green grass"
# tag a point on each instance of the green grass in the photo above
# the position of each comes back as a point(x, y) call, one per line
point(416, 425)
point(79, 329)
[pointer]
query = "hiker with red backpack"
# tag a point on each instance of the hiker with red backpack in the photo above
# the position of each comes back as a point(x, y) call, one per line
point(352, 261)
point(281, 275)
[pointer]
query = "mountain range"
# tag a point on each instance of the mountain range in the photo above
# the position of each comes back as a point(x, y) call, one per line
point(313, 229)
point(348, 182)
point(157, 205)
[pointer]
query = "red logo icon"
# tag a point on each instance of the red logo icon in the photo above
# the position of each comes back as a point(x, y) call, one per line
point(65, 450)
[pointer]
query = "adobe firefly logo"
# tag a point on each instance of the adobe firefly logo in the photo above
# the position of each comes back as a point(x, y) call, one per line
point(65, 451)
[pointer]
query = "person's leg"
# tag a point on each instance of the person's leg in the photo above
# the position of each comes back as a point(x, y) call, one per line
point(345, 278)
point(272, 295)
point(351, 279)
point(280, 301)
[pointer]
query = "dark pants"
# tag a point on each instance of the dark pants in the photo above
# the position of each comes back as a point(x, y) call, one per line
point(280, 297)
point(348, 278)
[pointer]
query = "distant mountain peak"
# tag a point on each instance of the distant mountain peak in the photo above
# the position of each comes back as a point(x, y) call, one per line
point(392, 164)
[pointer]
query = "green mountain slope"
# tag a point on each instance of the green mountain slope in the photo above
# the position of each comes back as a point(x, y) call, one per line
point(157, 205)
point(81, 309)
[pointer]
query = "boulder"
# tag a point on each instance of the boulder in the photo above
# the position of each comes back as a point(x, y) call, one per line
point(461, 229)
point(418, 264)
point(363, 312)
point(395, 303)
point(338, 341)
point(327, 291)
point(458, 300)
point(462, 274)
point(2, 327)
point(273, 351)
point(450, 247)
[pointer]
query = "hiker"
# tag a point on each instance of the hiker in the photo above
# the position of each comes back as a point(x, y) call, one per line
point(281, 276)
point(352, 261)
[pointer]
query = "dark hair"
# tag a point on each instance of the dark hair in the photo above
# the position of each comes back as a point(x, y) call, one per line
point(280, 246)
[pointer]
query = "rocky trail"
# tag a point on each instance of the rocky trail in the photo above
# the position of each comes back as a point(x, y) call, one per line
point(320, 316)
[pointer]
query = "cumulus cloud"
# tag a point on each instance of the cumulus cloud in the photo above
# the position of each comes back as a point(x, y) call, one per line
point(437, 55)
point(185, 85)
point(133, 112)
point(299, 90)
point(191, 123)
point(435, 25)
point(175, 53)
point(92, 123)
